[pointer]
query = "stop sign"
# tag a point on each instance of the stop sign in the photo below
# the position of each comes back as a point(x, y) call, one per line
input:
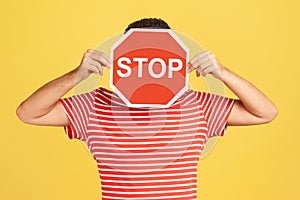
point(149, 68)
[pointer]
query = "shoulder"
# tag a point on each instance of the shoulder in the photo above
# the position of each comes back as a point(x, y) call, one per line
point(107, 97)
point(200, 95)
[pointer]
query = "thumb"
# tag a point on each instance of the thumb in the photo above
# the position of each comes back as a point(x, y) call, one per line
point(197, 73)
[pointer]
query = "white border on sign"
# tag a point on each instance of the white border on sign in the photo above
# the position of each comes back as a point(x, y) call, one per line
point(179, 94)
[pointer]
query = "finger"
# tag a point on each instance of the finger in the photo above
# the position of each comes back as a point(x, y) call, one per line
point(202, 66)
point(201, 69)
point(199, 56)
point(194, 63)
point(94, 69)
point(209, 69)
point(201, 60)
point(102, 58)
point(109, 62)
point(92, 50)
point(99, 56)
point(203, 63)
point(107, 59)
point(198, 73)
point(96, 64)
point(95, 51)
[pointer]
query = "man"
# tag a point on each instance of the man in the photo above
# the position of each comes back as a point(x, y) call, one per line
point(146, 153)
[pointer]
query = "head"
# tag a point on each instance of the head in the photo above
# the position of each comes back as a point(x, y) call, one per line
point(148, 23)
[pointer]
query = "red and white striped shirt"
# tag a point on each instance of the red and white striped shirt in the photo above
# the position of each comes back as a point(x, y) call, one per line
point(146, 153)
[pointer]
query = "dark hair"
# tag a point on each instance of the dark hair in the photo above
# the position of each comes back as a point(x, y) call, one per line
point(148, 23)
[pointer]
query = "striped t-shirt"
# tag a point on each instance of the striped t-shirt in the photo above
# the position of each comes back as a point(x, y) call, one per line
point(146, 153)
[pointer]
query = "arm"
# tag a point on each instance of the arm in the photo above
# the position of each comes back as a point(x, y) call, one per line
point(252, 107)
point(43, 106)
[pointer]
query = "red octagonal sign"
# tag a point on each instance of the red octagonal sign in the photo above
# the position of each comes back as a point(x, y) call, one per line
point(149, 68)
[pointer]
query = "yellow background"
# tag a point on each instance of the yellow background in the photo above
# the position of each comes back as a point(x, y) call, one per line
point(257, 39)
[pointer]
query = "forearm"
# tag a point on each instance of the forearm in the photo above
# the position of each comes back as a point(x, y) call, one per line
point(44, 99)
point(251, 97)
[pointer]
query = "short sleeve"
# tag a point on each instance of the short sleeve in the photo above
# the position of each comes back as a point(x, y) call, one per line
point(77, 109)
point(216, 110)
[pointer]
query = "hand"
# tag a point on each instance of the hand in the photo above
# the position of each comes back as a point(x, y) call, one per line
point(92, 62)
point(206, 63)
